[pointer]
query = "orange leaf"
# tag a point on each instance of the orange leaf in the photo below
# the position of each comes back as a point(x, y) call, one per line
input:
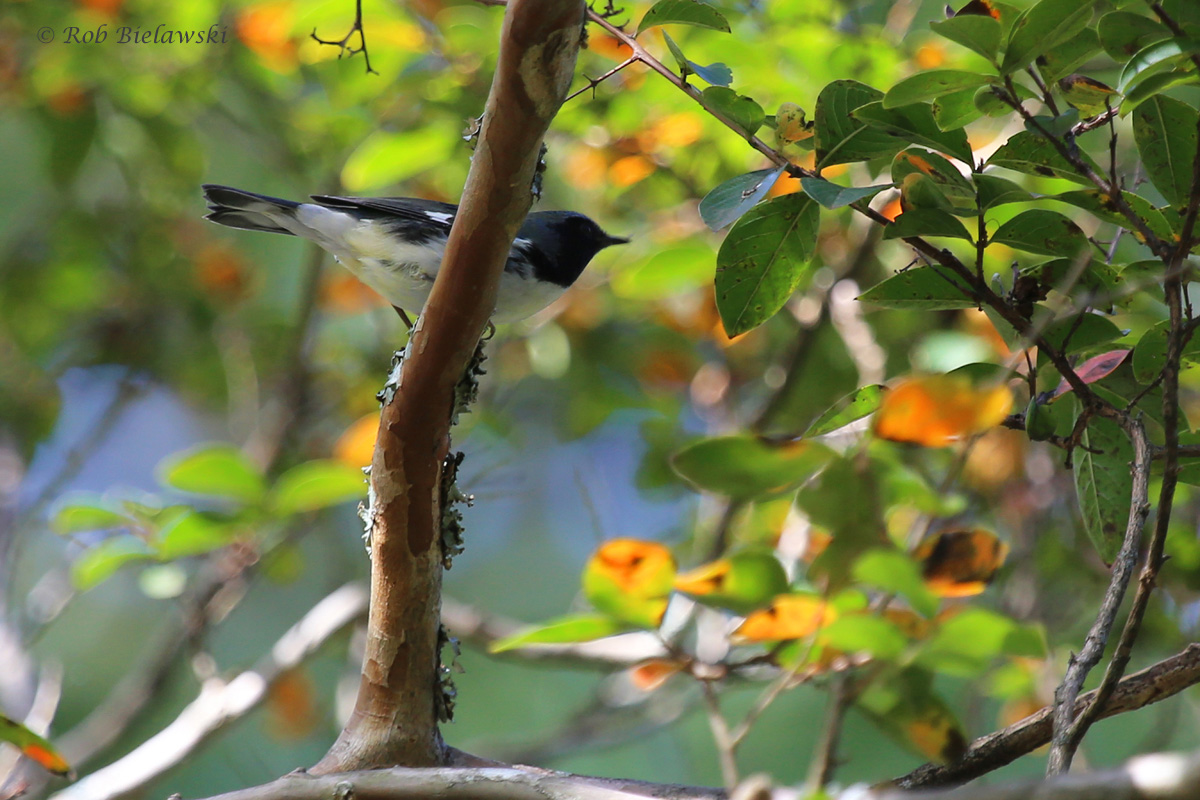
point(790, 616)
point(342, 293)
point(291, 706)
point(649, 675)
point(629, 170)
point(960, 563)
point(936, 410)
point(356, 445)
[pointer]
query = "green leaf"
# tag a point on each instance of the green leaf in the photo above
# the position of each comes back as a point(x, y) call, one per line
point(1033, 155)
point(716, 74)
point(893, 571)
point(745, 467)
point(1042, 231)
point(1150, 353)
point(220, 470)
point(1165, 131)
point(949, 181)
point(733, 198)
point(866, 633)
point(1104, 484)
point(915, 124)
point(193, 534)
point(976, 32)
point(1154, 85)
point(1063, 60)
point(971, 640)
point(316, 484)
point(1081, 332)
point(684, 12)
point(923, 288)
point(955, 110)
point(98, 563)
point(82, 513)
point(738, 108)
point(931, 84)
point(997, 191)
point(926, 222)
point(1056, 126)
point(832, 196)
point(1157, 58)
point(854, 406)
point(33, 746)
point(561, 630)
point(1091, 200)
point(1064, 273)
point(841, 139)
point(1044, 27)
point(1123, 33)
point(744, 582)
point(763, 259)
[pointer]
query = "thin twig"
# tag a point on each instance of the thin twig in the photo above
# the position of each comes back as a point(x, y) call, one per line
point(824, 760)
point(726, 746)
point(347, 50)
point(1066, 736)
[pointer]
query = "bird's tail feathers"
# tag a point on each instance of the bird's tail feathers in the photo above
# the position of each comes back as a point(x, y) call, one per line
point(235, 208)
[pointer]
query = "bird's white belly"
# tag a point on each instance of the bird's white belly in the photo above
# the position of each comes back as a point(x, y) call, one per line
point(403, 274)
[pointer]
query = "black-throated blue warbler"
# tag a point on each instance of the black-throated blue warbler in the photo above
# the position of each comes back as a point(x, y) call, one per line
point(395, 244)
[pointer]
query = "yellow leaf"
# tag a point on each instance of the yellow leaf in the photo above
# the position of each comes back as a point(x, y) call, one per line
point(790, 616)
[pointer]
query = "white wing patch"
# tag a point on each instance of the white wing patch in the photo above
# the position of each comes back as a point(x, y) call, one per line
point(439, 216)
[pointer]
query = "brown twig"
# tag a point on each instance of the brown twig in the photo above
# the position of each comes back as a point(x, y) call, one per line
point(347, 50)
point(1067, 730)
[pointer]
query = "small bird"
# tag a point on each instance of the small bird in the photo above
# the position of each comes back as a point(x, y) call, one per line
point(395, 244)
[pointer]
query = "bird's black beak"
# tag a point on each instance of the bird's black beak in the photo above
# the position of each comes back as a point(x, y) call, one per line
point(609, 241)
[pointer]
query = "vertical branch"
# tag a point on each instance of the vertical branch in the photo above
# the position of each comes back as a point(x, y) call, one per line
point(395, 719)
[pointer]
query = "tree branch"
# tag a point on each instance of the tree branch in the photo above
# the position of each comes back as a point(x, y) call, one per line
point(990, 752)
point(395, 716)
point(221, 702)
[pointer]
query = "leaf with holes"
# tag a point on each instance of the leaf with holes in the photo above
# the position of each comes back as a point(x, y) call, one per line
point(1046, 232)
point(923, 288)
point(763, 259)
point(1033, 155)
point(1104, 485)
point(1044, 27)
point(1165, 131)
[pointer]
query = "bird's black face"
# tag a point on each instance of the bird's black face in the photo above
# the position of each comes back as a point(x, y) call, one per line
point(588, 235)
